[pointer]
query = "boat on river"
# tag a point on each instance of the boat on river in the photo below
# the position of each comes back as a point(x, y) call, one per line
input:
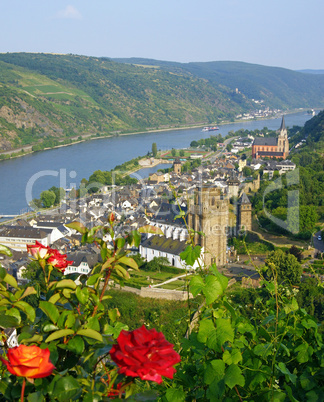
point(210, 128)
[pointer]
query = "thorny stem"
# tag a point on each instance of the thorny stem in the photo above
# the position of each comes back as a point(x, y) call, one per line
point(23, 390)
point(102, 292)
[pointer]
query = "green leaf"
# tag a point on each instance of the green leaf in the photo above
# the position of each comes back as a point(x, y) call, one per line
point(66, 283)
point(13, 312)
point(66, 388)
point(93, 279)
point(233, 376)
point(190, 255)
point(93, 323)
point(78, 226)
point(214, 371)
point(121, 271)
point(59, 334)
point(175, 395)
point(49, 327)
point(76, 345)
point(34, 339)
point(81, 296)
point(120, 242)
point(94, 230)
point(134, 238)
point(55, 298)
point(28, 291)
point(5, 250)
point(212, 290)
point(304, 352)
point(227, 358)
point(282, 367)
point(263, 349)
point(225, 331)
point(150, 229)
point(7, 321)
point(196, 285)
point(26, 308)
point(35, 397)
point(8, 278)
point(130, 262)
point(90, 333)
point(50, 310)
point(221, 278)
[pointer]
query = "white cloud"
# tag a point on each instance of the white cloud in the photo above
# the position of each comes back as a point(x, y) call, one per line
point(70, 12)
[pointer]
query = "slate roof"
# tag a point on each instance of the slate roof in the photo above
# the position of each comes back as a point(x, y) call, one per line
point(267, 153)
point(25, 232)
point(269, 141)
point(166, 245)
point(244, 199)
point(283, 126)
point(166, 214)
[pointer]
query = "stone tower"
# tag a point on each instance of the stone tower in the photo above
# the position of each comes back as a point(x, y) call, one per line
point(283, 143)
point(208, 213)
point(244, 214)
point(177, 166)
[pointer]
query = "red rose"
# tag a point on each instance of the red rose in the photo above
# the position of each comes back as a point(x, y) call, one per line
point(58, 260)
point(144, 353)
point(28, 361)
point(38, 251)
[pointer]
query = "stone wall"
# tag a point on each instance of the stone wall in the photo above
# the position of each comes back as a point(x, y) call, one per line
point(156, 293)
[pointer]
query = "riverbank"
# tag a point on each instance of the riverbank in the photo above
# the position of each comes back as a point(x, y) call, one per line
point(17, 152)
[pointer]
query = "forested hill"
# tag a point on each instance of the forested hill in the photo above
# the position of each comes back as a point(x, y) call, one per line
point(45, 98)
point(278, 87)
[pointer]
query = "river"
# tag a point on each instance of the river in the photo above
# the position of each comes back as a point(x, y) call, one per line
point(26, 177)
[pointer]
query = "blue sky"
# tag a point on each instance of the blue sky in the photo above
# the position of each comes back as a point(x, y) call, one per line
point(283, 33)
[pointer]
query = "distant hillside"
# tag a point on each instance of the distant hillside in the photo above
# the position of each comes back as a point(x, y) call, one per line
point(278, 87)
point(311, 71)
point(46, 97)
point(314, 129)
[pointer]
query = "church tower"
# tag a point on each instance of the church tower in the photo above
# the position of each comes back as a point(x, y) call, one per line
point(283, 143)
point(177, 166)
point(208, 213)
point(244, 214)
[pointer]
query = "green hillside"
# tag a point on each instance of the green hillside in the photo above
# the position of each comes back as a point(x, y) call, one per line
point(48, 98)
point(45, 96)
point(278, 87)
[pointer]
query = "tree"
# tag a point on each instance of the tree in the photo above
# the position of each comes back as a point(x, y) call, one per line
point(296, 252)
point(174, 152)
point(59, 194)
point(283, 266)
point(48, 198)
point(154, 149)
point(247, 171)
point(182, 153)
point(194, 144)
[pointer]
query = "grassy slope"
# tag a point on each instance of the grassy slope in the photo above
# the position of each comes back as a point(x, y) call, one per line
point(81, 94)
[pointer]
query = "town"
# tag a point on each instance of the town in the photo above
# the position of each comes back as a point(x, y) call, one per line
point(213, 198)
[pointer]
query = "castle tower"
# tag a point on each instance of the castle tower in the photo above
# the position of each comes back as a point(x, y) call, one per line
point(208, 213)
point(283, 143)
point(177, 166)
point(244, 214)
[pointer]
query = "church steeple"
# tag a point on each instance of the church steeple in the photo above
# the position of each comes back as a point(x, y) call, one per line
point(283, 125)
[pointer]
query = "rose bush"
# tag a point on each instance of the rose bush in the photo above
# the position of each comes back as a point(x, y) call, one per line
point(28, 361)
point(145, 353)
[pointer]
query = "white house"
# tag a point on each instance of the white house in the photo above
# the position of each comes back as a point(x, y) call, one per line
point(17, 237)
point(160, 246)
